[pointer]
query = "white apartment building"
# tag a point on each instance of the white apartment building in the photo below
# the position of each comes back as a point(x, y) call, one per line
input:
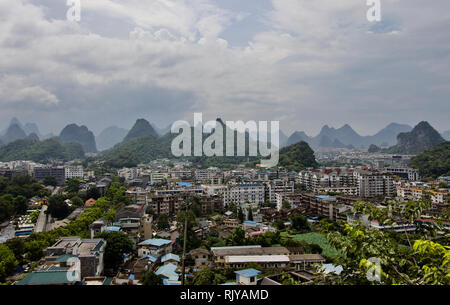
point(71, 172)
point(374, 185)
point(278, 186)
point(408, 173)
point(240, 193)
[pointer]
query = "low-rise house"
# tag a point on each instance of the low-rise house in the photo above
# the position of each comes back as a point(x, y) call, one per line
point(304, 261)
point(247, 276)
point(154, 246)
point(168, 272)
point(221, 253)
point(170, 258)
point(202, 257)
point(69, 261)
point(266, 261)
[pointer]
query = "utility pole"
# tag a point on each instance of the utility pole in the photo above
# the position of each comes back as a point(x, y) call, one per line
point(184, 243)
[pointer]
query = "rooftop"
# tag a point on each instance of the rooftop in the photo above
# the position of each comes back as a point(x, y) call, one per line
point(248, 272)
point(157, 242)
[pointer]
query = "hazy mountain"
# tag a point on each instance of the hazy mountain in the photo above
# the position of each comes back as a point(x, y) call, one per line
point(346, 136)
point(388, 135)
point(13, 133)
point(110, 136)
point(298, 136)
point(141, 128)
point(283, 139)
point(373, 148)
point(422, 137)
point(161, 131)
point(30, 128)
point(47, 136)
point(33, 136)
point(81, 135)
point(15, 121)
point(446, 135)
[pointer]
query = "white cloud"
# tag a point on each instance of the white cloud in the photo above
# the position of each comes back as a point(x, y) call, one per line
point(314, 62)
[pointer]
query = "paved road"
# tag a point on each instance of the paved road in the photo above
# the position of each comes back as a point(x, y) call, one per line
point(42, 220)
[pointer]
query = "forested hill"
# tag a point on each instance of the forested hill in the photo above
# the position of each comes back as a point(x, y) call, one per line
point(434, 162)
point(40, 151)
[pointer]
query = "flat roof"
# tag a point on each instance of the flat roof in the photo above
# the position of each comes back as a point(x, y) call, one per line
point(257, 259)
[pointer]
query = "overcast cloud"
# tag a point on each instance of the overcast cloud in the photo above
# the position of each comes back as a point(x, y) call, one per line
point(304, 63)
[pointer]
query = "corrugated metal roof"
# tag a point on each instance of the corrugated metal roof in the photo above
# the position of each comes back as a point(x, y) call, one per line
point(248, 272)
point(157, 242)
point(257, 259)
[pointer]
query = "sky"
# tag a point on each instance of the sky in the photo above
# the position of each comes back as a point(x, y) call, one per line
point(304, 63)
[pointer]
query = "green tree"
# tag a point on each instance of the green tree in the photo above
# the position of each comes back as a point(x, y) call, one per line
point(421, 262)
point(20, 204)
point(240, 215)
point(57, 208)
point(6, 207)
point(77, 201)
point(163, 222)
point(7, 262)
point(299, 223)
point(207, 276)
point(151, 279)
point(238, 237)
point(50, 180)
point(192, 241)
point(285, 204)
point(17, 246)
point(117, 244)
point(93, 192)
point(72, 185)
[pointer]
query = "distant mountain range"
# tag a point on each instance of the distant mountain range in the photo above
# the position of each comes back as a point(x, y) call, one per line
point(346, 137)
point(343, 137)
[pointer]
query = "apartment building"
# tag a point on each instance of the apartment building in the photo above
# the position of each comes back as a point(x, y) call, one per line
point(74, 172)
point(40, 173)
point(241, 193)
point(372, 184)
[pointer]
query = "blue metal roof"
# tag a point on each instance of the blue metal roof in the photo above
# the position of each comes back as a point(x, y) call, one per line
point(157, 242)
point(168, 271)
point(151, 258)
point(326, 197)
point(170, 256)
point(248, 272)
point(186, 184)
point(113, 229)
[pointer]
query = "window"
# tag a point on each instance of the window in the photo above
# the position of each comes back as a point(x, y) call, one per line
point(252, 279)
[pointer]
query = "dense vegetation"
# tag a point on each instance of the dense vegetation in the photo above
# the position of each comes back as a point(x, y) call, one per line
point(79, 134)
point(14, 195)
point(40, 151)
point(297, 157)
point(140, 129)
point(421, 138)
point(434, 162)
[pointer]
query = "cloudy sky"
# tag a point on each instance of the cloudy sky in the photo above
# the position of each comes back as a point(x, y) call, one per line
point(304, 63)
